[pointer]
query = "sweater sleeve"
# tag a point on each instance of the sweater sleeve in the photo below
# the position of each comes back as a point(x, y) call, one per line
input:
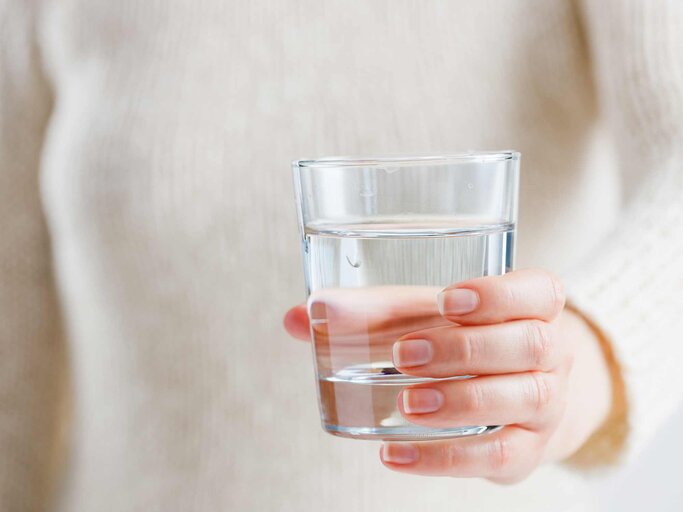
point(631, 287)
point(31, 355)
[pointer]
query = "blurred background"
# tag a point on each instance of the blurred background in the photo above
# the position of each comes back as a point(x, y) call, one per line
point(652, 482)
point(149, 244)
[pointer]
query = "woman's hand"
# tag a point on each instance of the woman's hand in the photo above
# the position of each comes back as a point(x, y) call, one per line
point(540, 371)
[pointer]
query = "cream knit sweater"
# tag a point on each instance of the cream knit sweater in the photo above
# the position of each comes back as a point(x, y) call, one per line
point(148, 242)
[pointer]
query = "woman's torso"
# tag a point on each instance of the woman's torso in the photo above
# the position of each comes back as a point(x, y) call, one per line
point(168, 194)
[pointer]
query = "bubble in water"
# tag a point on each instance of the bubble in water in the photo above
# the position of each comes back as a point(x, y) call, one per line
point(470, 186)
point(354, 265)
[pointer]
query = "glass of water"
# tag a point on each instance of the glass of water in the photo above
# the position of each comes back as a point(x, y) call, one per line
point(381, 238)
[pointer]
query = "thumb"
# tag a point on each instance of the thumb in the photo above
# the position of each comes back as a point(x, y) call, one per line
point(296, 322)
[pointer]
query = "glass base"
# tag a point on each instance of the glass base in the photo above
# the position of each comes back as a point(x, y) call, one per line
point(410, 433)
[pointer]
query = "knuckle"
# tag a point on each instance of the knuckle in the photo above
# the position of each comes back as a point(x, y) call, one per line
point(540, 341)
point(472, 401)
point(540, 391)
point(557, 296)
point(507, 295)
point(468, 343)
point(453, 456)
point(499, 454)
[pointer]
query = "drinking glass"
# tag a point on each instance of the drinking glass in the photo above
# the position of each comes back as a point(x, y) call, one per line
point(381, 238)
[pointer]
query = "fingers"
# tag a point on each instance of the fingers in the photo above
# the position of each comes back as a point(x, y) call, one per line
point(522, 294)
point(510, 347)
point(296, 322)
point(388, 309)
point(375, 315)
point(533, 400)
point(505, 456)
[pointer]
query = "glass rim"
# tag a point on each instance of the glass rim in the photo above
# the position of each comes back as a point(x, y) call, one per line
point(407, 160)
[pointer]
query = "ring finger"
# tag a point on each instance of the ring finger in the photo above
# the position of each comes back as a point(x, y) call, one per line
point(532, 399)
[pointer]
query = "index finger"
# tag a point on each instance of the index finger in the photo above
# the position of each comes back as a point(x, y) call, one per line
point(376, 314)
point(296, 322)
point(518, 295)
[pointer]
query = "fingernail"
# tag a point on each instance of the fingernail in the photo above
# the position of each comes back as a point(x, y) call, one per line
point(399, 453)
point(421, 400)
point(409, 353)
point(318, 310)
point(458, 301)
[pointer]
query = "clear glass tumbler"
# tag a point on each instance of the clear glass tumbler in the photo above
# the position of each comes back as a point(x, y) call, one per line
point(381, 238)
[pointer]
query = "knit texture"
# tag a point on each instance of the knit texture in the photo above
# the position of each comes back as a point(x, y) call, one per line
point(631, 286)
point(144, 176)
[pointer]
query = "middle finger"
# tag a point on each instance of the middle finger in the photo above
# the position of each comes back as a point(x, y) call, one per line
point(531, 399)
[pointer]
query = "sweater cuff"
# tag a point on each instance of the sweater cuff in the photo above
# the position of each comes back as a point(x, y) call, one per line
point(643, 356)
point(606, 446)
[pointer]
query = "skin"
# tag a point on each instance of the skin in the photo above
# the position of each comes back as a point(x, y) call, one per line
point(540, 371)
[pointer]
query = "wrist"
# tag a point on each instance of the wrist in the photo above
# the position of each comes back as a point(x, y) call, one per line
point(589, 387)
point(606, 443)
